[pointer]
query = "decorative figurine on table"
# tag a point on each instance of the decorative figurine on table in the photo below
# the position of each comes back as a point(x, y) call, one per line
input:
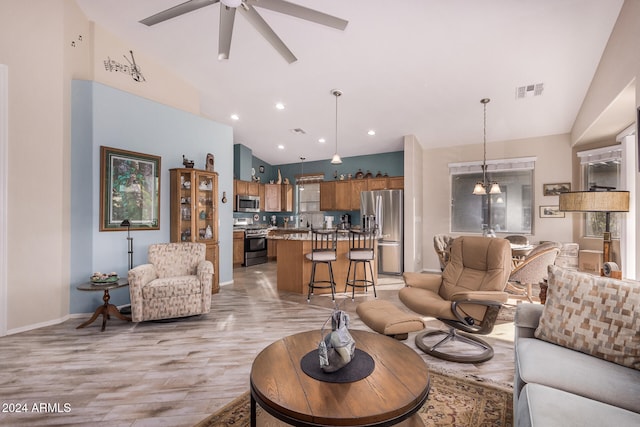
point(338, 347)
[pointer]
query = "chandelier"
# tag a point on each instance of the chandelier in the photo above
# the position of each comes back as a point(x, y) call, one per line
point(481, 187)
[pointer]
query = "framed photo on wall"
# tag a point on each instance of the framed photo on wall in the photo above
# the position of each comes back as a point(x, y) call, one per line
point(555, 188)
point(551, 212)
point(129, 189)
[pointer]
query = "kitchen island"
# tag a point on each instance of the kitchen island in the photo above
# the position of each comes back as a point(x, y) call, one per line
point(294, 269)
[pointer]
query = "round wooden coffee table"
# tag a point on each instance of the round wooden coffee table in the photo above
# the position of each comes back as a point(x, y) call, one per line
point(394, 391)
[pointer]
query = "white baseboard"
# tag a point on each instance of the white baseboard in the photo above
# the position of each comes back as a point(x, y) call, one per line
point(42, 324)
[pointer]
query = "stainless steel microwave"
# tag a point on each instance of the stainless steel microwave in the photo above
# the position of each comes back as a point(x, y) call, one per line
point(247, 203)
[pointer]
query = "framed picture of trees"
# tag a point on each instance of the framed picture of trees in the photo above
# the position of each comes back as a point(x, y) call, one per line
point(129, 190)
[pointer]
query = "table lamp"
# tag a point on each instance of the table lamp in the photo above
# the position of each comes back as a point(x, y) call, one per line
point(597, 201)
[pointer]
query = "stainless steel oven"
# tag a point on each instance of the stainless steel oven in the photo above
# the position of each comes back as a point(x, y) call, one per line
point(255, 246)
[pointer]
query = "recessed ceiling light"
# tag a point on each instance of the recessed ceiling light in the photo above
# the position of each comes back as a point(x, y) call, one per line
point(280, 147)
point(235, 117)
point(322, 140)
point(371, 132)
point(280, 106)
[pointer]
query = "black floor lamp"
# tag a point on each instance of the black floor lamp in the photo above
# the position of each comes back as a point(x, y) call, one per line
point(127, 224)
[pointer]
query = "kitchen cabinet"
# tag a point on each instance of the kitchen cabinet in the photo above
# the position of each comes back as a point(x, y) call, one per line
point(286, 204)
point(343, 196)
point(261, 195)
point(377, 184)
point(272, 198)
point(238, 248)
point(328, 196)
point(253, 188)
point(278, 198)
point(272, 248)
point(396, 183)
point(193, 209)
point(357, 187)
point(240, 187)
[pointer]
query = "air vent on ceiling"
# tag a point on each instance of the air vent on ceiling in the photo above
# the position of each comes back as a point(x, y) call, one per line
point(298, 131)
point(529, 90)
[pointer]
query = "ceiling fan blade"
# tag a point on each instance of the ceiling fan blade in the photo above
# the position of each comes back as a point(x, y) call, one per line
point(178, 10)
point(301, 12)
point(227, 18)
point(263, 28)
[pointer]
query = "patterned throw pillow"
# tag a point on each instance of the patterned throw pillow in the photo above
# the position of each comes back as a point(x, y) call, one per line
point(594, 315)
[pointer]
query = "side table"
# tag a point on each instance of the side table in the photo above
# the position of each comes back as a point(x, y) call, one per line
point(105, 309)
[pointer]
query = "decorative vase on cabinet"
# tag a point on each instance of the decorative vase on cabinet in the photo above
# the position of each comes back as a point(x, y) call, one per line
point(194, 212)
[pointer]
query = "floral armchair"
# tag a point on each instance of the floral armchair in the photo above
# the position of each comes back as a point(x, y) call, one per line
point(175, 283)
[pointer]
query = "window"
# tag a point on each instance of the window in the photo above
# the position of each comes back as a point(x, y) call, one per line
point(601, 167)
point(308, 200)
point(508, 212)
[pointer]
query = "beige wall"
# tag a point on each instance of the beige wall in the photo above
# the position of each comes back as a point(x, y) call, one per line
point(37, 39)
point(32, 46)
point(160, 85)
point(618, 68)
point(413, 203)
point(553, 155)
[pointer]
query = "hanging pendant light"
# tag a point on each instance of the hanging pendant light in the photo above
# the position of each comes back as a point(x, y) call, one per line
point(336, 160)
point(481, 187)
point(302, 173)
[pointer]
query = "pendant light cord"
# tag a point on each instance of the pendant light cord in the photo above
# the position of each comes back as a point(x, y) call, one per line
point(484, 143)
point(337, 94)
point(484, 101)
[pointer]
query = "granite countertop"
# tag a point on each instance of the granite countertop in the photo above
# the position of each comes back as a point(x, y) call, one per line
point(306, 235)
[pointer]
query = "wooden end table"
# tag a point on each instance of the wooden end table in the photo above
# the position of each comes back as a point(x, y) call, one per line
point(106, 309)
point(393, 392)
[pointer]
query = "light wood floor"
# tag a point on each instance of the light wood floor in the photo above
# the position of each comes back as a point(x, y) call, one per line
point(177, 373)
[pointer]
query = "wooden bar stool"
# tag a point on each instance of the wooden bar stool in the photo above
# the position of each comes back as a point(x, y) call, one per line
point(323, 251)
point(361, 251)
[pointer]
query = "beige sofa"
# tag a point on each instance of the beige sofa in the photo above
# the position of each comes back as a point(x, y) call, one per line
point(577, 358)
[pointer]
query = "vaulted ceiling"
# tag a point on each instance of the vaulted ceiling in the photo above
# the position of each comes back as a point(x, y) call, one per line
point(405, 67)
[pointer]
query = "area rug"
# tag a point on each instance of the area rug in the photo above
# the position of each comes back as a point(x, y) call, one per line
point(451, 402)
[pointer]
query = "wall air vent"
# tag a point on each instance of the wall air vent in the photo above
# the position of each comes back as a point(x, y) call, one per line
point(529, 90)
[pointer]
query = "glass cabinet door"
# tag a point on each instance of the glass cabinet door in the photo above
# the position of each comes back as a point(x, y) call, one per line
point(204, 208)
point(185, 207)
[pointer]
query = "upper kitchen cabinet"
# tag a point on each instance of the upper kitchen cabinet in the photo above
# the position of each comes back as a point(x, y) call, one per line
point(345, 195)
point(278, 197)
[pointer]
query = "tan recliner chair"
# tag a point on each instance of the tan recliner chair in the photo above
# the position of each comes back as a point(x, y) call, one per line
point(175, 283)
point(467, 296)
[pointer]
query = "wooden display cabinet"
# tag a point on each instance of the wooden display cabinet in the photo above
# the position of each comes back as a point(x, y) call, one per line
point(194, 212)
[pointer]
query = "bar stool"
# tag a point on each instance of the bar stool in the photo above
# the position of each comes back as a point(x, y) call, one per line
point(361, 251)
point(323, 251)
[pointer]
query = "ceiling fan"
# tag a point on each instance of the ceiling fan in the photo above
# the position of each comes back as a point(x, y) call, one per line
point(246, 7)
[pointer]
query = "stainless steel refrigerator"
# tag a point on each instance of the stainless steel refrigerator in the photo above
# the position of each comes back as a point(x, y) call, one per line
point(385, 207)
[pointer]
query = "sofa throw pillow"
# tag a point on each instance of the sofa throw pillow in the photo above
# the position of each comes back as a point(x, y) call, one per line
point(594, 315)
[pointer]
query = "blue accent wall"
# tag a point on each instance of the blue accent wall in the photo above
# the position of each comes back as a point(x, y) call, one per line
point(102, 115)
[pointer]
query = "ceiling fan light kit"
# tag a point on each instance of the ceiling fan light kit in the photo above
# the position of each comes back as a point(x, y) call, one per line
point(247, 9)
